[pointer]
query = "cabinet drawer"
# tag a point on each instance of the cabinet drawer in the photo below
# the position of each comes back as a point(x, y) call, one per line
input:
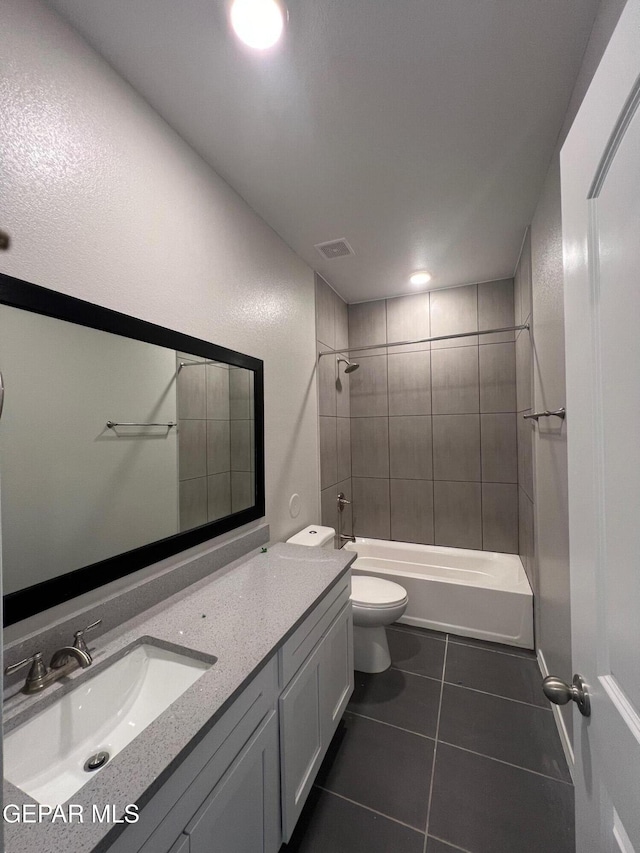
point(167, 813)
point(301, 643)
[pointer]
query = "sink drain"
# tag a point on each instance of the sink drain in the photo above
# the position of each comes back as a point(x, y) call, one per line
point(95, 762)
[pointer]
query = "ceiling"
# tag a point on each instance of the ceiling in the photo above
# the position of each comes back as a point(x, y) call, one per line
point(419, 130)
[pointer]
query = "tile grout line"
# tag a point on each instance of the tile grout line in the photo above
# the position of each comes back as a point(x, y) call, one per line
point(450, 844)
point(389, 725)
point(435, 748)
point(368, 808)
point(507, 763)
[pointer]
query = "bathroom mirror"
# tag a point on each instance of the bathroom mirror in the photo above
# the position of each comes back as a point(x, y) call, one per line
point(121, 443)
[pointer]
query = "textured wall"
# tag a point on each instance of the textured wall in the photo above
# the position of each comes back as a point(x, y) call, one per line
point(433, 426)
point(105, 202)
point(333, 401)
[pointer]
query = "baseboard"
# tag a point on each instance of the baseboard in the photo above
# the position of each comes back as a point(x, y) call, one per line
point(560, 724)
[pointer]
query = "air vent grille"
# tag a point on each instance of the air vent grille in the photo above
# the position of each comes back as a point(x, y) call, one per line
point(334, 249)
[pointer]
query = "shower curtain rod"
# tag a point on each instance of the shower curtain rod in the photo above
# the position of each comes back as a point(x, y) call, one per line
point(424, 340)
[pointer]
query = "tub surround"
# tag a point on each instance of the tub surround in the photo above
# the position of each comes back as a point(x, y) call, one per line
point(242, 616)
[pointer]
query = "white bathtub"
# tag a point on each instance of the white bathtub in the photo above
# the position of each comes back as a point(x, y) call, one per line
point(473, 593)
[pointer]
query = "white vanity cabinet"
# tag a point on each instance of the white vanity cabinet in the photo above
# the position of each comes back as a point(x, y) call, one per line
point(242, 788)
point(312, 704)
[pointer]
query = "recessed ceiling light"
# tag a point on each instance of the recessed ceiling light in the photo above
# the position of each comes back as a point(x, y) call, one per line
point(420, 277)
point(258, 23)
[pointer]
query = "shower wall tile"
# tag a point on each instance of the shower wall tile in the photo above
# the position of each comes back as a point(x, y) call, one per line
point(456, 447)
point(369, 447)
point(328, 452)
point(453, 311)
point(344, 447)
point(368, 388)
point(458, 514)
point(241, 446)
point(329, 507)
point(524, 371)
point(218, 447)
point(525, 453)
point(410, 448)
point(193, 503)
point(371, 510)
point(217, 387)
point(327, 393)
point(341, 322)
point(526, 537)
point(218, 496)
point(497, 378)
point(409, 380)
point(345, 519)
point(325, 314)
point(499, 448)
point(368, 326)
point(342, 390)
point(240, 393)
point(500, 517)
point(192, 449)
point(242, 490)
point(496, 310)
point(412, 511)
point(454, 378)
point(408, 320)
point(191, 392)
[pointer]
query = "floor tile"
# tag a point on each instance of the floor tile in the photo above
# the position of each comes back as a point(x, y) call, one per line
point(400, 698)
point(510, 731)
point(501, 674)
point(484, 806)
point(494, 647)
point(425, 632)
point(412, 652)
point(330, 824)
point(434, 845)
point(381, 767)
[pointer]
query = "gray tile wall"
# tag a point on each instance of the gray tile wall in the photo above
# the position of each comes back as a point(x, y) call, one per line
point(334, 406)
point(524, 398)
point(215, 440)
point(433, 426)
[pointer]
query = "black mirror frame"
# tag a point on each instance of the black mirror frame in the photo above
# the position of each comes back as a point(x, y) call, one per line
point(40, 300)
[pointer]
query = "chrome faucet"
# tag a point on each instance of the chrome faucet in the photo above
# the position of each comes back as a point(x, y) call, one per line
point(63, 662)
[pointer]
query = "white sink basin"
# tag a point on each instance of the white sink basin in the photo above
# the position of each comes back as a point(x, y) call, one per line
point(46, 755)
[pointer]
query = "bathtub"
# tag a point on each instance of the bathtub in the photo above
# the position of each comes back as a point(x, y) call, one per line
point(472, 593)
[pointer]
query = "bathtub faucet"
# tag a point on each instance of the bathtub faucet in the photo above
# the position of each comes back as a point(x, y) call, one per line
point(344, 538)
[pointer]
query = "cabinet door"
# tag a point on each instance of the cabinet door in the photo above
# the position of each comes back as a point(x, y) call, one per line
point(242, 813)
point(301, 739)
point(336, 674)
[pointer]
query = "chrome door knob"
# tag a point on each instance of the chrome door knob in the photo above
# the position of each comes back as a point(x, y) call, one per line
point(559, 692)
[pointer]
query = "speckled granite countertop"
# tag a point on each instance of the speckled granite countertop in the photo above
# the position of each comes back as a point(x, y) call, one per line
point(242, 616)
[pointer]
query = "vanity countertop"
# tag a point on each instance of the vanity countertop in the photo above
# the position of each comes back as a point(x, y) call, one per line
point(242, 616)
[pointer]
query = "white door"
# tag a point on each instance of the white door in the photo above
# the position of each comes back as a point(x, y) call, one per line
point(600, 165)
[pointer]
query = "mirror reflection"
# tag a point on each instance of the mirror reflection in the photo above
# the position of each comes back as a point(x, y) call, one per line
point(109, 443)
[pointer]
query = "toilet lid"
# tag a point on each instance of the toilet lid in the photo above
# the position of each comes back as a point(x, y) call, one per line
point(375, 592)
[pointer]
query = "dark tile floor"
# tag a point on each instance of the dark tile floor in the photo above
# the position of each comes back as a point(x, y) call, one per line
point(452, 749)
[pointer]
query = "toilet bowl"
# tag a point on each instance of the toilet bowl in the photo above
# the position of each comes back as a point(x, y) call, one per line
point(375, 602)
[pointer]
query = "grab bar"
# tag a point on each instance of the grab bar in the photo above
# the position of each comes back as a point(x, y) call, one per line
point(113, 424)
point(558, 413)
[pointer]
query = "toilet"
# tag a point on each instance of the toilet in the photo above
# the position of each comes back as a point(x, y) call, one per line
point(375, 602)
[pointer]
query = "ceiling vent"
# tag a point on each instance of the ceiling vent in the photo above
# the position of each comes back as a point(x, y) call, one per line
point(334, 249)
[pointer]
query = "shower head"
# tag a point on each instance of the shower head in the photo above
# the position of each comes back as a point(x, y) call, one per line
point(351, 365)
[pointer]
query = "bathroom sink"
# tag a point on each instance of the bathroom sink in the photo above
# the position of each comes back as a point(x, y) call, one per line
point(48, 755)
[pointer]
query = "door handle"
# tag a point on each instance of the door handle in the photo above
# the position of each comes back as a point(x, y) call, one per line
point(559, 692)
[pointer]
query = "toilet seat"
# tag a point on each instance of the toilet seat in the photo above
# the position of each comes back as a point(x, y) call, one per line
point(375, 593)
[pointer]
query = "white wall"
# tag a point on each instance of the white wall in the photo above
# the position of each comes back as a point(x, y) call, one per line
point(550, 451)
point(105, 202)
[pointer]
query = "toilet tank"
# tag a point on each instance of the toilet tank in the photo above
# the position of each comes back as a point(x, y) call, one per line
point(314, 536)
